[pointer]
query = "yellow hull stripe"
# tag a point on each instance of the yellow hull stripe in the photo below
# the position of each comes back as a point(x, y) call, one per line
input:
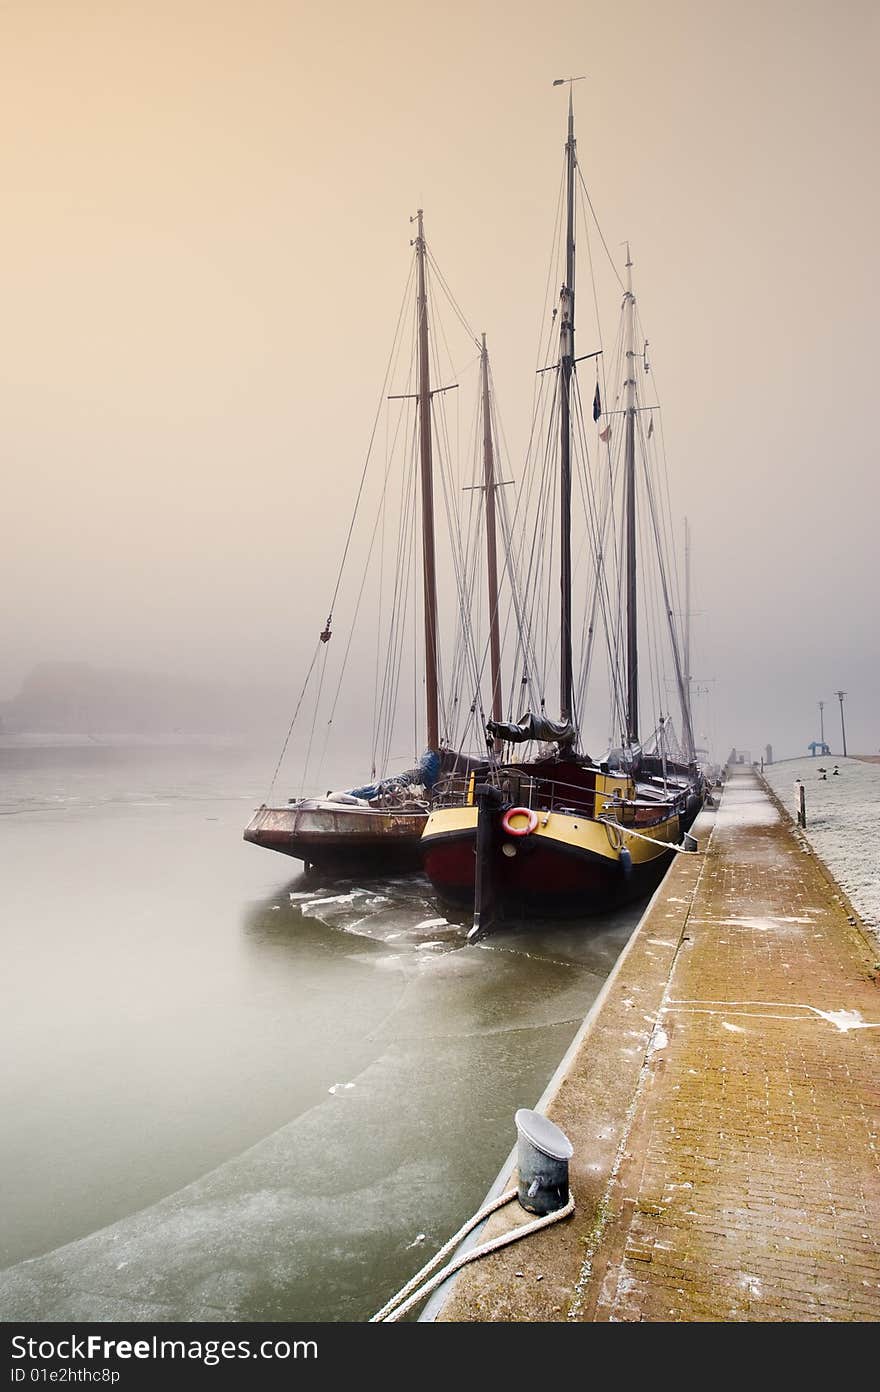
point(570, 831)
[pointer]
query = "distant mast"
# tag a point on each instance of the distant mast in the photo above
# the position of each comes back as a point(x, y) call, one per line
point(632, 621)
point(427, 473)
point(566, 363)
point(491, 546)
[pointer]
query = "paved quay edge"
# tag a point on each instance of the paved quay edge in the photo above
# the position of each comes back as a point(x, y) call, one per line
point(723, 1105)
point(591, 1097)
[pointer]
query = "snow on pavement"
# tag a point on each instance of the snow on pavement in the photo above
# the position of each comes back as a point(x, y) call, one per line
point(843, 821)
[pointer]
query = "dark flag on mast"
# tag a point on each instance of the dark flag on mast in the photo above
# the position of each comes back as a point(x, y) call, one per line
point(597, 404)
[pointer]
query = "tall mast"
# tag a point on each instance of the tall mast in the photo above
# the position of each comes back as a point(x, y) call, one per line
point(566, 359)
point(491, 547)
point(632, 657)
point(428, 557)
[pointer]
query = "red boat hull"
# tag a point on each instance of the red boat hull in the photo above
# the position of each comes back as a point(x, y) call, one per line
point(544, 879)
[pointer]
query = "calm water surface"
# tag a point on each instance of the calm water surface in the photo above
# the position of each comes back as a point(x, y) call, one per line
point(228, 1093)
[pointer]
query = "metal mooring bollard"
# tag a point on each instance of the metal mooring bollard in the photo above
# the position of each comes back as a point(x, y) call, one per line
point(542, 1156)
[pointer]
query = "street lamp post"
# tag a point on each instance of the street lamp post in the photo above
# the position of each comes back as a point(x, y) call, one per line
point(840, 695)
point(822, 722)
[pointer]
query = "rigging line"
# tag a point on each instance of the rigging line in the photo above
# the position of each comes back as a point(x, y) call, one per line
point(666, 497)
point(521, 646)
point(434, 340)
point(450, 297)
point(620, 571)
point(409, 412)
point(372, 437)
point(380, 515)
point(663, 559)
point(600, 365)
point(400, 589)
point(615, 451)
point(398, 635)
point(531, 470)
point(462, 647)
point(552, 265)
point(406, 562)
point(611, 453)
point(367, 562)
point(529, 590)
point(302, 693)
point(605, 513)
point(536, 573)
point(687, 729)
point(472, 558)
point(379, 616)
point(499, 457)
point(478, 548)
point(444, 466)
point(598, 227)
point(472, 549)
point(535, 471)
point(314, 720)
point(596, 519)
point(353, 517)
point(598, 532)
point(548, 553)
point(648, 604)
point(457, 559)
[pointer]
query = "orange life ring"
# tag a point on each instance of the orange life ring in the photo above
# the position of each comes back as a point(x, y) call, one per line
point(531, 821)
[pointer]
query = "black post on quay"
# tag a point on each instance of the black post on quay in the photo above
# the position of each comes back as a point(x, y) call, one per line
point(840, 695)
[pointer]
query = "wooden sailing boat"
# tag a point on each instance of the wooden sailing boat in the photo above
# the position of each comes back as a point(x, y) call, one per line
point(560, 833)
point(376, 828)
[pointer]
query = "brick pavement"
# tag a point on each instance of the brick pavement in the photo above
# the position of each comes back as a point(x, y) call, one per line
point(727, 1164)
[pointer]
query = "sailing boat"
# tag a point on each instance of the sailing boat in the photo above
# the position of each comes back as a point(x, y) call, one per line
point(559, 833)
point(376, 827)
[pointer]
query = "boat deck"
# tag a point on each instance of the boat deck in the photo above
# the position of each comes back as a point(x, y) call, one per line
point(723, 1102)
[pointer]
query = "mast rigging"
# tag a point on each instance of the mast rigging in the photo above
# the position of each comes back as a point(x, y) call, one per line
point(427, 479)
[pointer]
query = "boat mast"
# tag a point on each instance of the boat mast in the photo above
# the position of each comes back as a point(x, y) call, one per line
point(632, 658)
point(491, 546)
point(427, 472)
point(566, 361)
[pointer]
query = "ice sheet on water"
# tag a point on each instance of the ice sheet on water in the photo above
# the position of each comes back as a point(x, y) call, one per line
point(396, 910)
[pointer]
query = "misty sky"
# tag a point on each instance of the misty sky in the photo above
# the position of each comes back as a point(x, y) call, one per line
point(205, 238)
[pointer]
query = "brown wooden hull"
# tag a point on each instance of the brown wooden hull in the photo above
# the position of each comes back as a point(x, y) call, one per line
point(339, 838)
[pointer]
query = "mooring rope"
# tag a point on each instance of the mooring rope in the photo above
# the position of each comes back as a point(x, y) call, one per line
point(652, 840)
point(417, 1288)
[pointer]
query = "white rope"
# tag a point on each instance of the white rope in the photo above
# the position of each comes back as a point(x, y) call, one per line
point(417, 1288)
point(652, 840)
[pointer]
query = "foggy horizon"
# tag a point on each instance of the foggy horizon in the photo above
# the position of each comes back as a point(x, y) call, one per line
point(207, 238)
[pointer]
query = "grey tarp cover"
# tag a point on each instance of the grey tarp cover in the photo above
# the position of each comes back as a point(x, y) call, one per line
point(532, 727)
